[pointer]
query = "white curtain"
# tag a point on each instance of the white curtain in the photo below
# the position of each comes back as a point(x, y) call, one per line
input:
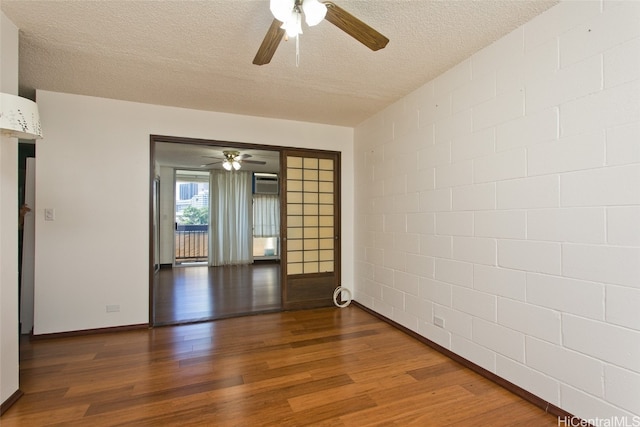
point(266, 215)
point(231, 239)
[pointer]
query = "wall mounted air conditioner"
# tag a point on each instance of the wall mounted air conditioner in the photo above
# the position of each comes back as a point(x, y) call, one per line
point(265, 183)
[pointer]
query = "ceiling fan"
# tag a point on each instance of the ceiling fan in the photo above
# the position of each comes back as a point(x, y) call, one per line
point(233, 160)
point(288, 17)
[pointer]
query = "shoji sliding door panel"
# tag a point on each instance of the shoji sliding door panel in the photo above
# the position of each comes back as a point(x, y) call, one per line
point(311, 221)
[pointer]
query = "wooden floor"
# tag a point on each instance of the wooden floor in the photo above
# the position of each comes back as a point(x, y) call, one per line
point(198, 293)
point(328, 367)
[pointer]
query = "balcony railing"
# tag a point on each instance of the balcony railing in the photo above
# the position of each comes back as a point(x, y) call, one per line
point(191, 243)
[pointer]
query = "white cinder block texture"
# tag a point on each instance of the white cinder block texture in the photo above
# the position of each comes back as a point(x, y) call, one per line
point(420, 265)
point(455, 321)
point(474, 197)
point(407, 283)
point(532, 320)
point(407, 243)
point(504, 165)
point(538, 63)
point(454, 126)
point(622, 388)
point(568, 154)
point(623, 306)
point(383, 275)
point(434, 108)
point(611, 107)
point(406, 319)
point(436, 334)
point(541, 257)
point(609, 264)
point(502, 340)
point(395, 223)
point(489, 58)
point(452, 79)
point(435, 200)
point(454, 223)
point(529, 193)
point(478, 144)
point(476, 91)
point(558, 20)
point(478, 250)
point(602, 187)
point(435, 291)
point(393, 297)
point(414, 100)
point(506, 194)
point(568, 366)
point(623, 225)
point(434, 155)
point(500, 281)
point(504, 107)
point(501, 224)
point(475, 303)
point(622, 63)
point(407, 203)
point(421, 180)
point(454, 174)
point(615, 26)
point(613, 344)
point(622, 144)
point(436, 246)
point(568, 83)
point(529, 130)
point(420, 223)
point(395, 260)
point(454, 272)
point(575, 401)
point(539, 384)
point(481, 356)
point(566, 295)
point(579, 225)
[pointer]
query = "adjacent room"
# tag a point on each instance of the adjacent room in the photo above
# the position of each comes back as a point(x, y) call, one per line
point(302, 212)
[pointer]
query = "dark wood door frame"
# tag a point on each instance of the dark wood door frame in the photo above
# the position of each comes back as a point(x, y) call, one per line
point(310, 290)
point(153, 139)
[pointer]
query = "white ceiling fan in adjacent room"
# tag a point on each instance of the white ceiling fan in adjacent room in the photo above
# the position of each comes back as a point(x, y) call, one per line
point(233, 160)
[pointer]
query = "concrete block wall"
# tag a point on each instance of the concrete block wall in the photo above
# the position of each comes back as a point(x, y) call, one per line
point(503, 197)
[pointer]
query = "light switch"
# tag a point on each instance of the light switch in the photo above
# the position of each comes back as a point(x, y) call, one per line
point(49, 214)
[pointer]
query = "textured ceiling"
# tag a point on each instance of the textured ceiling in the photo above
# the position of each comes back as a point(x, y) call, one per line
point(198, 54)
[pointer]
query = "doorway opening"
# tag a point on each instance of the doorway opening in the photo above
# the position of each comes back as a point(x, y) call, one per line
point(277, 246)
point(191, 236)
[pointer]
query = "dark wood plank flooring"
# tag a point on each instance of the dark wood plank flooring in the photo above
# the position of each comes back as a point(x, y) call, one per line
point(329, 367)
point(200, 293)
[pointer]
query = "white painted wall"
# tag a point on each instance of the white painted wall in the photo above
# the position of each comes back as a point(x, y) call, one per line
point(504, 198)
point(93, 169)
point(8, 220)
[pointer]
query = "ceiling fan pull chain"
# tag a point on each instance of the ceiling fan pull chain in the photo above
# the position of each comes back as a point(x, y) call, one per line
point(298, 50)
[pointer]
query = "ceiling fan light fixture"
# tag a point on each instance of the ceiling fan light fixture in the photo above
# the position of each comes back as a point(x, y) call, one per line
point(314, 12)
point(281, 9)
point(235, 164)
point(293, 25)
point(226, 165)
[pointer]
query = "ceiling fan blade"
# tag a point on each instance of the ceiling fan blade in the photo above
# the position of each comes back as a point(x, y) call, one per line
point(269, 44)
point(254, 162)
point(209, 164)
point(354, 27)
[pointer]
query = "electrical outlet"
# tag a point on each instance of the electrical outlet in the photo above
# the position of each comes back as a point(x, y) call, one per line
point(113, 308)
point(438, 321)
